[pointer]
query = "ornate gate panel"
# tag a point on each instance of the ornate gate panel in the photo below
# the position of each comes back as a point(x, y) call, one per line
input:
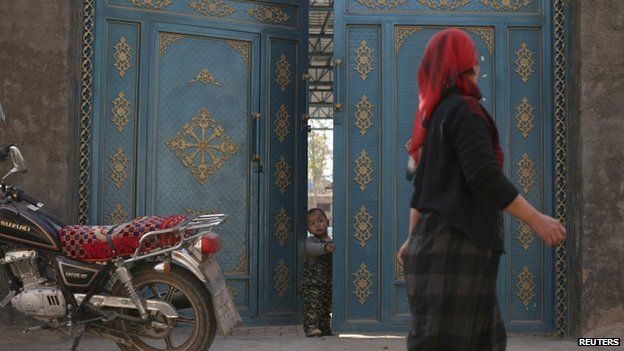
point(190, 117)
point(379, 46)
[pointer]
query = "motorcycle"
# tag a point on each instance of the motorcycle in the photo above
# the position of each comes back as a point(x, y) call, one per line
point(150, 284)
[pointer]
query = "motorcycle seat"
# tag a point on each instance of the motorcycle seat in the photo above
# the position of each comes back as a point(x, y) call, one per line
point(103, 243)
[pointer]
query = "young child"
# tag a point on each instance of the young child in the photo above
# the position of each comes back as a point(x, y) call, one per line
point(316, 286)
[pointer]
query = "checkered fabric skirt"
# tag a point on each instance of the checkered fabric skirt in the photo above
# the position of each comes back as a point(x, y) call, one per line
point(452, 291)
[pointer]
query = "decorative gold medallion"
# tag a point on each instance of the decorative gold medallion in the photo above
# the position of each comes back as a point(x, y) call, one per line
point(381, 4)
point(283, 73)
point(524, 117)
point(122, 56)
point(524, 62)
point(121, 111)
point(363, 170)
point(363, 226)
point(526, 173)
point(362, 284)
point(205, 78)
point(166, 39)
point(282, 123)
point(242, 47)
point(213, 8)
point(401, 33)
point(501, 5)
point(200, 141)
point(268, 14)
point(444, 5)
point(525, 234)
point(526, 286)
point(118, 215)
point(282, 227)
point(282, 174)
point(119, 168)
point(363, 115)
point(364, 60)
point(280, 278)
point(151, 4)
point(486, 34)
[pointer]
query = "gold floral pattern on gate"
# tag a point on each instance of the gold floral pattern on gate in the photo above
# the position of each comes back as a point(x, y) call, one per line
point(282, 123)
point(282, 174)
point(242, 47)
point(151, 4)
point(282, 227)
point(401, 34)
point(526, 173)
point(525, 235)
point(444, 5)
point(362, 284)
point(381, 4)
point(205, 77)
point(526, 286)
point(486, 34)
point(122, 56)
point(363, 226)
point(524, 116)
point(268, 14)
point(280, 278)
point(119, 167)
point(364, 60)
point(203, 146)
point(283, 73)
point(364, 115)
point(242, 268)
point(118, 215)
point(524, 62)
point(121, 111)
point(363, 170)
point(502, 5)
point(166, 39)
point(212, 8)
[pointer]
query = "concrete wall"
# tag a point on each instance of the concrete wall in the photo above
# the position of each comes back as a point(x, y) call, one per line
point(39, 74)
point(597, 126)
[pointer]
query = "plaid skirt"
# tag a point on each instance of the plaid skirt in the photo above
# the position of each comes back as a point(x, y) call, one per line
point(452, 291)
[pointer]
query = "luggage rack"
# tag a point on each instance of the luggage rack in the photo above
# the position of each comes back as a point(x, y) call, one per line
point(193, 223)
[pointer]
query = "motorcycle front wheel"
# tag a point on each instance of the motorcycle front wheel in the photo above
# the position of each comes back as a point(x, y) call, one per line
point(193, 330)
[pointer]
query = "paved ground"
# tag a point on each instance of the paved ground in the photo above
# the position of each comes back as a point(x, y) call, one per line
point(285, 338)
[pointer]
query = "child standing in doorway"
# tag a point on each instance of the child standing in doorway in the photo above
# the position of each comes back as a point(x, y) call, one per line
point(316, 286)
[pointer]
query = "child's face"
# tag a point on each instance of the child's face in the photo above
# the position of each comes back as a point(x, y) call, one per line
point(317, 224)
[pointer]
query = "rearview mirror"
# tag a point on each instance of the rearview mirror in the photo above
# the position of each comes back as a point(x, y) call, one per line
point(19, 165)
point(18, 160)
point(2, 118)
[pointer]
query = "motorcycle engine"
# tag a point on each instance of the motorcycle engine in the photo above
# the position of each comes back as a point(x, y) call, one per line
point(37, 298)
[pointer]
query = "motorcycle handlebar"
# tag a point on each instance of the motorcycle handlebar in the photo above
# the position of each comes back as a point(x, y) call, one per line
point(20, 195)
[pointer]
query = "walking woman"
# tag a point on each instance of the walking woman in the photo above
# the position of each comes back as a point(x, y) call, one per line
point(452, 253)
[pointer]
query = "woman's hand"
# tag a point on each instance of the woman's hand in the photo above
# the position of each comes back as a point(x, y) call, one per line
point(547, 228)
point(402, 254)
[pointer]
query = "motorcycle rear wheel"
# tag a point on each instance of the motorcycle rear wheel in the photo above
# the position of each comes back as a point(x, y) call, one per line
point(187, 294)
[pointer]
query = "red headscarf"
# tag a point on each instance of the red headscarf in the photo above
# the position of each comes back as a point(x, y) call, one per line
point(448, 62)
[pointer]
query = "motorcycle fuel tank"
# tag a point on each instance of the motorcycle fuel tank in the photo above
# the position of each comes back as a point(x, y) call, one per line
point(19, 224)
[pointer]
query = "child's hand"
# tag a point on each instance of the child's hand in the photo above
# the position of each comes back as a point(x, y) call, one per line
point(331, 247)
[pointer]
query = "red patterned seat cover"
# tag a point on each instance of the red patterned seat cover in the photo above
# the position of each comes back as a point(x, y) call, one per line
point(89, 243)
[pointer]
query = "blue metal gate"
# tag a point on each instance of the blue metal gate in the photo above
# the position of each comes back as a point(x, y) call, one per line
point(197, 109)
point(379, 44)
